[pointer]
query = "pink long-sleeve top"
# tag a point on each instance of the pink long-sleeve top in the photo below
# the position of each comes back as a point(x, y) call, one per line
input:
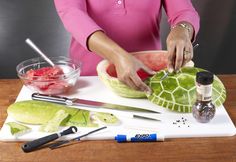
point(133, 24)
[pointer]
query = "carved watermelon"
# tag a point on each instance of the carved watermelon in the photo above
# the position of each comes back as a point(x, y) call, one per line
point(176, 92)
point(156, 60)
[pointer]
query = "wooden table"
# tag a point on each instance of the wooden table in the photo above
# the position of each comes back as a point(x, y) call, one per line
point(188, 149)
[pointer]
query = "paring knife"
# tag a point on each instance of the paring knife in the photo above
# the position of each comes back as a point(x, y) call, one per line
point(86, 103)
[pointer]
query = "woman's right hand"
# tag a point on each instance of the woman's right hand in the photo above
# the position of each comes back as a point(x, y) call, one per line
point(126, 67)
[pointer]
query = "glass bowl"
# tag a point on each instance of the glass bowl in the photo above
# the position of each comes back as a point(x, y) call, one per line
point(39, 76)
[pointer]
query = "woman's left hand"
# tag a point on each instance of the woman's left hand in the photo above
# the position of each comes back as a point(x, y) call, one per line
point(179, 46)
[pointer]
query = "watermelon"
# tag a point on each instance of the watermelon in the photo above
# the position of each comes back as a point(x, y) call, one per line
point(177, 92)
point(46, 80)
point(155, 60)
point(44, 73)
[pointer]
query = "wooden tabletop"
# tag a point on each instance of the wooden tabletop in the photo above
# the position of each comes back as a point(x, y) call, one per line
point(185, 149)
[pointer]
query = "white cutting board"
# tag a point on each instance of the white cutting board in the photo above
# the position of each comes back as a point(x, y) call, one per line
point(91, 88)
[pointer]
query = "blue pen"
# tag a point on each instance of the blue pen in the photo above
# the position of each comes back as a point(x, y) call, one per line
point(139, 138)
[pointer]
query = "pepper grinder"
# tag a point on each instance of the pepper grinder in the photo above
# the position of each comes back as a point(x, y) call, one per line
point(203, 109)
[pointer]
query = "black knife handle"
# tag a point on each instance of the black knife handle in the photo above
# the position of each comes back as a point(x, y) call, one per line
point(33, 145)
point(51, 98)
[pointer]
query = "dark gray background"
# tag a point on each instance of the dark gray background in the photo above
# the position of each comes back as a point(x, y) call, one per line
point(38, 20)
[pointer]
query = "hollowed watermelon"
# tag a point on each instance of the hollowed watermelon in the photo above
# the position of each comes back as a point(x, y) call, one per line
point(177, 92)
point(155, 60)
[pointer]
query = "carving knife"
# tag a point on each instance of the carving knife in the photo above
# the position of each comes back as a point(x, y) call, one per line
point(86, 103)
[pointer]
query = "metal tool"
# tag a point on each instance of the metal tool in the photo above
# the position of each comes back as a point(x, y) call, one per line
point(196, 45)
point(165, 75)
point(59, 143)
point(145, 117)
point(33, 145)
point(151, 117)
point(34, 47)
point(86, 103)
point(167, 72)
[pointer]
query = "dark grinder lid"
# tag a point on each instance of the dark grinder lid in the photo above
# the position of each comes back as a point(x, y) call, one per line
point(204, 77)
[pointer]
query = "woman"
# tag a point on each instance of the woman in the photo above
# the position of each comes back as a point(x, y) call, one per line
point(111, 29)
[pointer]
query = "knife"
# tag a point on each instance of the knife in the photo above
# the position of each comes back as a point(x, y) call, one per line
point(86, 103)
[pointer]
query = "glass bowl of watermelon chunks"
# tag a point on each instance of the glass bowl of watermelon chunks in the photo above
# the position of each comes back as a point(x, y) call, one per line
point(39, 76)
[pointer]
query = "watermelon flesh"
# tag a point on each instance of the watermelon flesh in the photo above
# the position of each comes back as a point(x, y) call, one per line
point(46, 80)
point(155, 61)
point(44, 73)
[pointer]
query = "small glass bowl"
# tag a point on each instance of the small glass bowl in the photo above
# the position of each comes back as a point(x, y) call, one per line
point(66, 75)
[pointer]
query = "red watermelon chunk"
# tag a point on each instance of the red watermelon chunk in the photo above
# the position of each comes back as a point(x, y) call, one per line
point(45, 73)
point(47, 80)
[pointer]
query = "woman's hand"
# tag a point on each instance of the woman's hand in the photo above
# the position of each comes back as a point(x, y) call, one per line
point(126, 65)
point(179, 46)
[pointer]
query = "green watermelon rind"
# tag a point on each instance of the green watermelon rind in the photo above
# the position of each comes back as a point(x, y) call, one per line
point(218, 99)
point(18, 129)
point(41, 112)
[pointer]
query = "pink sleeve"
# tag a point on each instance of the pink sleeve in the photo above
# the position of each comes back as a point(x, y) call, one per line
point(76, 20)
point(182, 10)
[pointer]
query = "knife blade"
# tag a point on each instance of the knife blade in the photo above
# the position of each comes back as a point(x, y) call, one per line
point(145, 117)
point(86, 103)
point(165, 75)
